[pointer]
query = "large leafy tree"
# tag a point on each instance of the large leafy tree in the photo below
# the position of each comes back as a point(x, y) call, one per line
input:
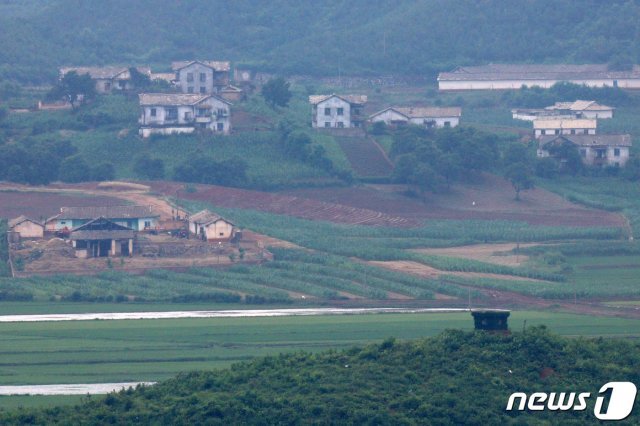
point(74, 87)
point(276, 92)
point(521, 177)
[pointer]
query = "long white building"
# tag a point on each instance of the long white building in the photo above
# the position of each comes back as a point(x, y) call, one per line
point(509, 76)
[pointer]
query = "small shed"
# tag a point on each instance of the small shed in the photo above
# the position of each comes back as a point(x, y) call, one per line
point(211, 227)
point(491, 320)
point(27, 228)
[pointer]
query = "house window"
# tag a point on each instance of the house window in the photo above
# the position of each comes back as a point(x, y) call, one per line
point(189, 77)
point(340, 111)
point(340, 124)
point(327, 124)
point(447, 124)
point(203, 77)
point(222, 112)
point(616, 152)
point(107, 86)
point(171, 113)
point(190, 89)
point(153, 112)
point(202, 125)
point(122, 84)
point(203, 90)
point(573, 131)
point(556, 132)
point(63, 223)
point(202, 112)
point(429, 123)
point(187, 115)
point(327, 111)
point(147, 224)
point(220, 127)
point(222, 234)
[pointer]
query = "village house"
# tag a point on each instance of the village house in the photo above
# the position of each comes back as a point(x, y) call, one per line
point(512, 76)
point(203, 77)
point(163, 113)
point(26, 228)
point(337, 111)
point(101, 237)
point(583, 109)
point(531, 114)
point(595, 150)
point(136, 218)
point(108, 79)
point(211, 227)
point(429, 117)
point(546, 126)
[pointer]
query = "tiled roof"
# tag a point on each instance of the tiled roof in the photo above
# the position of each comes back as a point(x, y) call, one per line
point(589, 140)
point(429, 112)
point(545, 123)
point(102, 72)
point(175, 99)
point(536, 72)
point(206, 217)
point(216, 65)
point(580, 105)
point(109, 212)
point(352, 99)
point(18, 220)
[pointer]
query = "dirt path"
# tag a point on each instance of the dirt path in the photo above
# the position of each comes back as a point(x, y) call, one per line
point(425, 271)
point(483, 252)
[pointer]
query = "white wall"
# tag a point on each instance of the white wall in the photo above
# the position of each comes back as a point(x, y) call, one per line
point(333, 118)
point(439, 121)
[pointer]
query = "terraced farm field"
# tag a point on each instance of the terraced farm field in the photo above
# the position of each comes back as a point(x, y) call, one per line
point(366, 157)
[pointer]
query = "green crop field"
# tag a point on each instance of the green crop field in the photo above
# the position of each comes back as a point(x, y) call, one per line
point(132, 350)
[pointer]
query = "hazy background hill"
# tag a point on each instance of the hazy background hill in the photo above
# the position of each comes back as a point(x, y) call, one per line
point(323, 38)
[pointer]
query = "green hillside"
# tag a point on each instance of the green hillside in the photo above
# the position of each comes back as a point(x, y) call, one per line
point(455, 378)
point(321, 38)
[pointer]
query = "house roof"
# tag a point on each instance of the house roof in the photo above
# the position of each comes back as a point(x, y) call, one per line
point(205, 217)
point(588, 140)
point(561, 72)
point(165, 76)
point(352, 99)
point(101, 228)
point(231, 89)
point(109, 212)
point(18, 220)
point(429, 112)
point(175, 99)
point(102, 72)
point(216, 65)
point(580, 105)
point(582, 123)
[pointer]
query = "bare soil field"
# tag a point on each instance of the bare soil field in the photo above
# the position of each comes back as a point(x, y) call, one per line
point(483, 252)
point(41, 205)
point(490, 199)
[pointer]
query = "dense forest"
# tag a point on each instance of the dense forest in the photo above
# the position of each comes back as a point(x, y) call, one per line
point(455, 378)
point(323, 38)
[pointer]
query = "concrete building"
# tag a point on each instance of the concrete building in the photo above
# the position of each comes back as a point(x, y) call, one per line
point(27, 228)
point(108, 79)
point(595, 150)
point(211, 227)
point(532, 114)
point(202, 77)
point(164, 114)
point(337, 111)
point(546, 126)
point(137, 218)
point(430, 117)
point(512, 76)
point(583, 109)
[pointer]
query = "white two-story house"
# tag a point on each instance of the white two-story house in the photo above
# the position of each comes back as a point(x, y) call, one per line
point(337, 111)
point(203, 77)
point(169, 113)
